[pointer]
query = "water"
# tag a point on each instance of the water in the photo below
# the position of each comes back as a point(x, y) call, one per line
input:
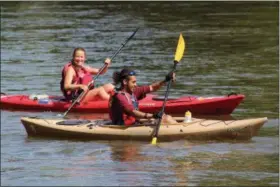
point(230, 47)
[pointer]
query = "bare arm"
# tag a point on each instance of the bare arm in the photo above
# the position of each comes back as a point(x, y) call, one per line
point(94, 71)
point(138, 114)
point(68, 81)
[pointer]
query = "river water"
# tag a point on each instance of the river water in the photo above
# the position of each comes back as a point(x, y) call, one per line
point(230, 47)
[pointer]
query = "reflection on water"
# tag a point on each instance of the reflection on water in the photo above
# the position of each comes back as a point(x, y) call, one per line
point(213, 165)
point(230, 47)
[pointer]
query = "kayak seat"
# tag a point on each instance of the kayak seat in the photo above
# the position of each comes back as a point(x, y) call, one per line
point(73, 122)
point(60, 98)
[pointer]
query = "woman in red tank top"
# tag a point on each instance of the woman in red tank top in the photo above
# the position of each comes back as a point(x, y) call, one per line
point(76, 75)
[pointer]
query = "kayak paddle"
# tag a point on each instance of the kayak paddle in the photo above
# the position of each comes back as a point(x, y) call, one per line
point(178, 56)
point(97, 75)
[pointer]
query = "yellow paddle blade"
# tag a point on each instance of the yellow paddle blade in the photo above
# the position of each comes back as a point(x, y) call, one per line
point(180, 49)
point(154, 140)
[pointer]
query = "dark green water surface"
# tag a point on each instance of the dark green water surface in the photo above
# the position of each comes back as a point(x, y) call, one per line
point(230, 47)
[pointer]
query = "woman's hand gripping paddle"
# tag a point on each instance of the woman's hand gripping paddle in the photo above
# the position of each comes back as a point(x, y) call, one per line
point(178, 56)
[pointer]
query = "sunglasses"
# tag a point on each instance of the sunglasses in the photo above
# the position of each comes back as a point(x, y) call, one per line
point(132, 73)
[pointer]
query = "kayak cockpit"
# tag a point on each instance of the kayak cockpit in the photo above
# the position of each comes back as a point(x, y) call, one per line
point(101, 123)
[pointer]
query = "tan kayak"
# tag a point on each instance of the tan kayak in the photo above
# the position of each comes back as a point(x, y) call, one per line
point(197, 129)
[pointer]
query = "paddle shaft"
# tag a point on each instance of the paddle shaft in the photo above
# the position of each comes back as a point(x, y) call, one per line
point(114, 55)
point(164, 103)
point(99, 72)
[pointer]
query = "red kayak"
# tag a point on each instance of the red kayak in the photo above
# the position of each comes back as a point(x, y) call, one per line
point(220, 105)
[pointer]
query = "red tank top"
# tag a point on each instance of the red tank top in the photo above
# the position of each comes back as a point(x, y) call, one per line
point(81, 77)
